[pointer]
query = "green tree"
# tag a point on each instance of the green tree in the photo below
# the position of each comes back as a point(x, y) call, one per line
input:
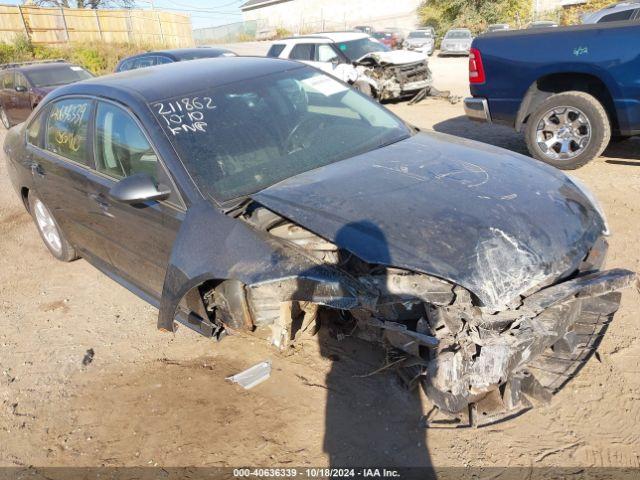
point(473, 14)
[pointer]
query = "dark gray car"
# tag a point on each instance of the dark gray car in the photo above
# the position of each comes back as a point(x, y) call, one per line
point(476, 268)
point(160, 57)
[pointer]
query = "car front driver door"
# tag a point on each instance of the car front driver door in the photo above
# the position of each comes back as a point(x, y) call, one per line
point(139, 237)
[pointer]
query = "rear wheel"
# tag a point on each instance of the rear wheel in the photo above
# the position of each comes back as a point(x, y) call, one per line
point(50, 231)
point(568, 130)
point(4, 119)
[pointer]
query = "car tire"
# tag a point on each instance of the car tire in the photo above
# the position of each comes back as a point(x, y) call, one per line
point(568, 130)
point(49, 231)
point(4, 119)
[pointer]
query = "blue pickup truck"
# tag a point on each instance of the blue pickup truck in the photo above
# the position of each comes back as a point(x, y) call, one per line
point(570, 90)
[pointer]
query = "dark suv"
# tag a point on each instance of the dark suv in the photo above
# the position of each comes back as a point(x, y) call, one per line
point(150, 59)
point(23, 85)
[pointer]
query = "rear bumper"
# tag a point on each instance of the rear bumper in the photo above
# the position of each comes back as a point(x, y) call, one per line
point(477, 109)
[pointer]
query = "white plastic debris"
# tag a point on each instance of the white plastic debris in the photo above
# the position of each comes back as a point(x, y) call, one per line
point(252, 376)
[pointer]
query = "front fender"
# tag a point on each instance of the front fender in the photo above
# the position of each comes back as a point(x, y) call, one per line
point(213, 246)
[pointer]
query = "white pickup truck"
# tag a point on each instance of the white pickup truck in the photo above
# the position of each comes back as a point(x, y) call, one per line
point(358, 59)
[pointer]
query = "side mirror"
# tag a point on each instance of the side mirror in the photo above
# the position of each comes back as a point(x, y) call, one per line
point(335, 62)
point(138, 188)
point(21, 88)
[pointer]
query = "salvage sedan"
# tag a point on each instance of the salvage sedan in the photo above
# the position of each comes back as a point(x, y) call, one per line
point(477, 268)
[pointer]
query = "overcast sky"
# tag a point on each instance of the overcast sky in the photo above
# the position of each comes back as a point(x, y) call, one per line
point(204, 13)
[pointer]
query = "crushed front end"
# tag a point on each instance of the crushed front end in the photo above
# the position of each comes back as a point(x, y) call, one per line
point(395, 80)
point(477, 365)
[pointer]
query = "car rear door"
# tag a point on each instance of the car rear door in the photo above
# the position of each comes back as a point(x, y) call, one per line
point(61, 159)
point(140, 237)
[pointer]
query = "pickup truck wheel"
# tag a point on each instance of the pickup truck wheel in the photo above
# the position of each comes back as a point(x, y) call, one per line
point(5, 119)
point(568, 130)
point(50, 231)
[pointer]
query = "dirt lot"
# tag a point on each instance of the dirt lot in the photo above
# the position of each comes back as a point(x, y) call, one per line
point(151, 398)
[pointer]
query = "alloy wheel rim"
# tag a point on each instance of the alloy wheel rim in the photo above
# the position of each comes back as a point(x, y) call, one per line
point(563, 133)
point(4, 118)
point(48, 227)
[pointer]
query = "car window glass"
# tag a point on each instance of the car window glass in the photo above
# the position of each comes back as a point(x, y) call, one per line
point(122, 149)
point(7, 80)
point(313, 120)
point(144, 62)
point(33, 132)
point(275, 50)
point(326, 53)
point(162, 60)
point(21, 81)
point(67, 127)
point(126, 65)
point(617, 16)
point(302, 51)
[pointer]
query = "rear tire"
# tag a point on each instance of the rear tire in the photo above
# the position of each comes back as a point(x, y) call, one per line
point(49, 231)
point(568, 130)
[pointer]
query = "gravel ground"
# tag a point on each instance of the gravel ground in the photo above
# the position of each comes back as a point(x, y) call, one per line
point(152, 398)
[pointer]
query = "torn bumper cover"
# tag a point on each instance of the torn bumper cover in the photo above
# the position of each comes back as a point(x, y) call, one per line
point(477, 368)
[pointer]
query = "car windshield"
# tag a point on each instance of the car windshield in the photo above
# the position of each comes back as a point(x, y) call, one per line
point(240, 138)
point(356, 49)
point(421, 34)
point(458, 34)
point(58, 75)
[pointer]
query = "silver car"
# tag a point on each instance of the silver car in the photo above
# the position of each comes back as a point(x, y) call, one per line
point(614, 13)
point(456, 41)
point(421, 41)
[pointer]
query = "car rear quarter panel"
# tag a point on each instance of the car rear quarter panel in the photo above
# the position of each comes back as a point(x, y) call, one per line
point(513, 61)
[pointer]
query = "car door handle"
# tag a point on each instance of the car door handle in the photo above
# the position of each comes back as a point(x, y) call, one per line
point(37, 170)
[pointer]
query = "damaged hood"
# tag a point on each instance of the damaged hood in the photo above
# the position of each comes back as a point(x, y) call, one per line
point(498, 223)
point(393, 57)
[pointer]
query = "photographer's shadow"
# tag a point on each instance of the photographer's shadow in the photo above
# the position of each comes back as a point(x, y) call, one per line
point(372, 420)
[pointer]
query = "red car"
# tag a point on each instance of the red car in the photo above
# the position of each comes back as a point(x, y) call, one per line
point(23, 85)
point(386, 38)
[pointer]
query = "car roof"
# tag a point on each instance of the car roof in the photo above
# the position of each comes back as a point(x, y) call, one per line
point(147, 85)
point(180, 53)
point(198, 51)
point(31, 67)
point(609, 9)
point(334, 36)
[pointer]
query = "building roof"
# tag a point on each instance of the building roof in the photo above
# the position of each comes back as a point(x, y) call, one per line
point(252, 4)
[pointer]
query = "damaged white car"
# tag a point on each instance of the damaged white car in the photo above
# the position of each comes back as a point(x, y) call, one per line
point(360, 60)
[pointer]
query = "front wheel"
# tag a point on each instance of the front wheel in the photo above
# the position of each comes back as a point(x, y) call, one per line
point(50, 231)
point(568, 130)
